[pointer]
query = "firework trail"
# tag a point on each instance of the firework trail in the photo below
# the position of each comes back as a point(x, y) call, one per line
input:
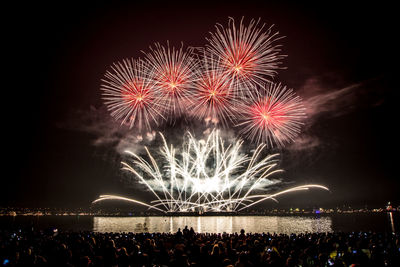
point(248, 55)
point(131, 94)
point(214, 98)
point(174, 73)
point(274, 118)
point(205, 175)
point(258, 198)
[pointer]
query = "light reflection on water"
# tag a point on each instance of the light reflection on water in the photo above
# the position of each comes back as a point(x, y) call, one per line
point(214, 224)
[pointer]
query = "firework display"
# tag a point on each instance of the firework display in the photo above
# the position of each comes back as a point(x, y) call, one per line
point(248, 55)
point(214, 97)
point(205, 175)
point(131, 94)
point(273, 118)
point(228, 82)
point(173, 71)
point(231, 71)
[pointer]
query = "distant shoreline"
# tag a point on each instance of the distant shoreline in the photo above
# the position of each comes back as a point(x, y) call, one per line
point(222, 214)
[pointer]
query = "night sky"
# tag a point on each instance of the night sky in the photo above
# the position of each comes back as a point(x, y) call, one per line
point(342, 60)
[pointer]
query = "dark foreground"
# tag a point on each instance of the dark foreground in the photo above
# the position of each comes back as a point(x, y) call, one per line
point(187, 248)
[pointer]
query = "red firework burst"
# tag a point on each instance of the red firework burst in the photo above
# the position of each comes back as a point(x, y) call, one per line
point(131, 95)
point(174, 72)
point(214, 98)
point(274, 118)
point(248, 55)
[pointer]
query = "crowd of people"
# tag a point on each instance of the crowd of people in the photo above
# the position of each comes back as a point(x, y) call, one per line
point(188, 248)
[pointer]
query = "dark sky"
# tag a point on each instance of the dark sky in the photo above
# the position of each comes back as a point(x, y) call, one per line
point(341, 58)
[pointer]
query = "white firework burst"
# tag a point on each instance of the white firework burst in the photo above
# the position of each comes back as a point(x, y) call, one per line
point(205, 175)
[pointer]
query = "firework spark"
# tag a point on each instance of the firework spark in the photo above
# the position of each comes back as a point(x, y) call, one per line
point(206, 175)
point(174, 73)
point(248, 55)
point(274, 118)
point(131, 94)
point(214, 98)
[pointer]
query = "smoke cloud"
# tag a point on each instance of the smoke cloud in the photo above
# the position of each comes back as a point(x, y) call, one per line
point(325, 98)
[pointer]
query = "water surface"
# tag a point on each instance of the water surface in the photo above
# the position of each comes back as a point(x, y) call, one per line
point(378, 222)
point(214, 224)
